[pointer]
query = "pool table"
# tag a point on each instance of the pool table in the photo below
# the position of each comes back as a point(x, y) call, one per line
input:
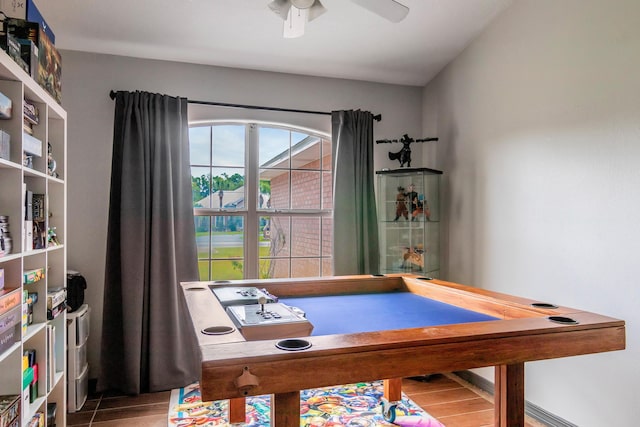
point(495, 329)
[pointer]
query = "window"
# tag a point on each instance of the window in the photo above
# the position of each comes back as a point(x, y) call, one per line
point(263, 200)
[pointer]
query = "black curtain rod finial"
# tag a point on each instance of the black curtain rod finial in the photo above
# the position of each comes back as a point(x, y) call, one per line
point(377, 117)
point(112, 94)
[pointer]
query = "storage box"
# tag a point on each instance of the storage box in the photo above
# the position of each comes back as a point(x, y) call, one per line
point(32, 276)
point(9, 409)
point(49, 60)
point(9, 298)
point(82, 389)
point(6, 106)
point(28, 11)
point(49, 68)
point(82, 325)
point(10, 328)
point(5, 145)
point(29, 53)
point(80, 359)
point(31, 145)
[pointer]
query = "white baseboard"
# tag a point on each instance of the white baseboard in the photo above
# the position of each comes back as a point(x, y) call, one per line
point(531, 410)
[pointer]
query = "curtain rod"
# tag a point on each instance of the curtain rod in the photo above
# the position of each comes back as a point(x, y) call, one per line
point(376, 117)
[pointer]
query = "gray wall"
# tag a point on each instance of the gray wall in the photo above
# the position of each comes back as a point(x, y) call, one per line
point(87, 80)
point(539, 121)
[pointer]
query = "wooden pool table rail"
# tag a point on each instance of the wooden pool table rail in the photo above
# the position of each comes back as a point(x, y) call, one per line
point(524, 334)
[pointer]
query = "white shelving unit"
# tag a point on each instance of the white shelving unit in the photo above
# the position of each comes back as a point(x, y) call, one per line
point(17, 85)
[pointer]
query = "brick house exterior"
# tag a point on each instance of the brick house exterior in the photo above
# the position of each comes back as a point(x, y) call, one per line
point(311, 188)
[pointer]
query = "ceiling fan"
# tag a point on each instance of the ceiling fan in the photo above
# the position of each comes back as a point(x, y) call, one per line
point(296, 13)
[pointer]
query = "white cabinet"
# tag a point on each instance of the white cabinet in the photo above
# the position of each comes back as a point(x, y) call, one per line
point(41, 338)
point(78, 368)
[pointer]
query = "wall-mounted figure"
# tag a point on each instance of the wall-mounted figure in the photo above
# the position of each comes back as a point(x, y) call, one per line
point(404, 155)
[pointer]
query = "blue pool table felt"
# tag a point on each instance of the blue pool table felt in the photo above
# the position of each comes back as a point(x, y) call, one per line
point(349, 314)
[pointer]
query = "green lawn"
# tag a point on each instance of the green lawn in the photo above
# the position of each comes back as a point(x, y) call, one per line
point(225, 267)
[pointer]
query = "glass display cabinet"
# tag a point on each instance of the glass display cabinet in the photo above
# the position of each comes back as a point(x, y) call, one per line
point(409, 219)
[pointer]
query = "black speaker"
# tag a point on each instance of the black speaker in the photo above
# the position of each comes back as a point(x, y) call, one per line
point(76, 284)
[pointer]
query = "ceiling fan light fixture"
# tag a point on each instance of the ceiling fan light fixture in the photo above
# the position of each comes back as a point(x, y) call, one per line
point(303, 4)
point(280, 8)
point(316, 10)
point(295, 23)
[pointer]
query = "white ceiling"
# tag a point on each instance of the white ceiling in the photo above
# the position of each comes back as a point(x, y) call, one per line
point(346, 42)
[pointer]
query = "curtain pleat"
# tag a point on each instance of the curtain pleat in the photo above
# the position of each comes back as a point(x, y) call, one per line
point(355, 237)
point(148, 343)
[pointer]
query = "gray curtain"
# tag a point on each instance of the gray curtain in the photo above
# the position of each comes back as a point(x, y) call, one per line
point(355, 237)
point(148, 343)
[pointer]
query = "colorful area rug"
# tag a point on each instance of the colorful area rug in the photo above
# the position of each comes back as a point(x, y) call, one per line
point(352, 405)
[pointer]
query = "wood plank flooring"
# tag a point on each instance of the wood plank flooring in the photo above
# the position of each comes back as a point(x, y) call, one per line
point(448, 398)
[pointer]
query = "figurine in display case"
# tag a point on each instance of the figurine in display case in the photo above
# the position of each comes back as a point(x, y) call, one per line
point(401, 204)
point(413, 258)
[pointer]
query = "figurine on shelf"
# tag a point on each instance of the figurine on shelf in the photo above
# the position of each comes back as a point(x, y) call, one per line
point(401, 205)
point(51, 162)
point(413, 258)
point(53, 237)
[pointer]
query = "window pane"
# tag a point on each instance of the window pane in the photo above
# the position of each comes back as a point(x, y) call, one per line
point(203, 268)
point(305, 190)
point(273, 148)
point(327, 190)
point(327, 266)
point(305, 237)
point(280, 193)
point(306, 153)
point(279, 231)
point(227, 188)
point(305, 267)
point(264, 187)
point(200, 145)
point(327, 237)
point(203, 229)
point(227, 270)
point(326, 155)
point(201, 187)
point(228, 145)
point(274, 268)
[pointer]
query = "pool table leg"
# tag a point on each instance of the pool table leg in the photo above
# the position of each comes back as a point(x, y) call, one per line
point(509, 395)
point(237, 410)
point(285, 409)
point(393, 389)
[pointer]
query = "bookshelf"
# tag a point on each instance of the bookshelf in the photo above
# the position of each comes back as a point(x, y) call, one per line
point(34, 266)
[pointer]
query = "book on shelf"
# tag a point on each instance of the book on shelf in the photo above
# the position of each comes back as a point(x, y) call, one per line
point(39, 222)
point(51, 356)
point(31, 112)
point(27, 127)
point(9, 298)
point(54, 312)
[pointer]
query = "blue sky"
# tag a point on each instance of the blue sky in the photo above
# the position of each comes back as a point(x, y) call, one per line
point(228, 149)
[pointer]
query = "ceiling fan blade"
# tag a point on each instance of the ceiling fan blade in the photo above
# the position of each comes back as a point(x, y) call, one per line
point(388, 9)
point(280, 8)
point(316, 10)
point(294, 25)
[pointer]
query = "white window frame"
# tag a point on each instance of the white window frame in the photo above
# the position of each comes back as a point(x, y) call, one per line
point(251, 212)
